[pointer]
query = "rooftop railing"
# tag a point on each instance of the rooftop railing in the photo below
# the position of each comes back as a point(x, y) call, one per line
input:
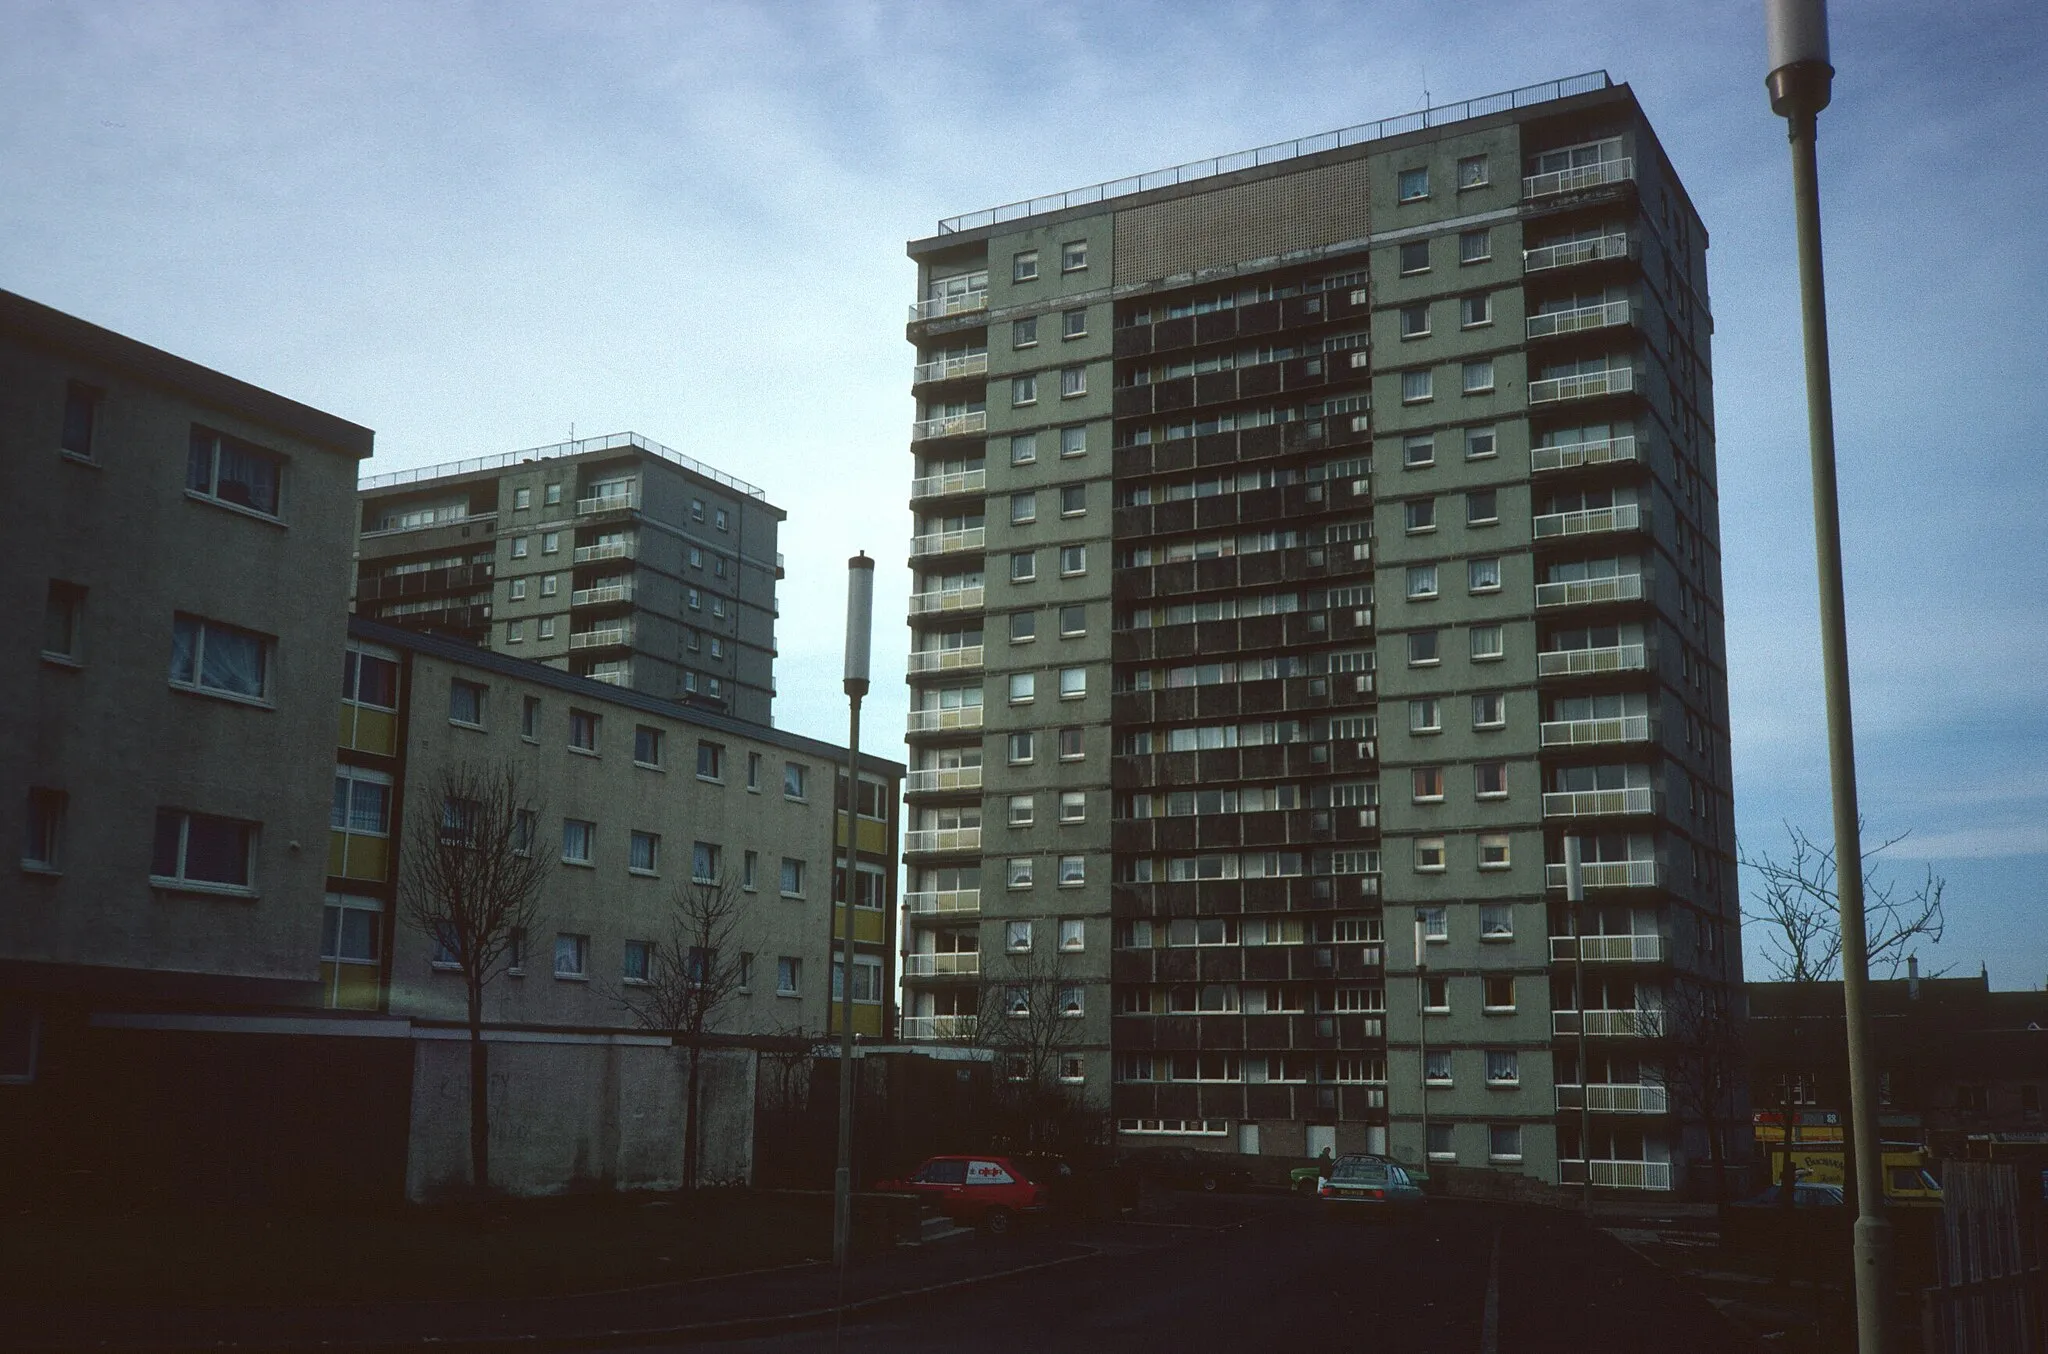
point(582, 446)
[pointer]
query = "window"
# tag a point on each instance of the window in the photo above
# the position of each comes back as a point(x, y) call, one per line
point(231, 471)
point(1023, 390)
point(1024, 449)
point(525, 828)
point(711, 763)
point(1020, 748)
point(788, 972)
point(647, 746)
point(369, 679)
point(1429, 855)
point(519, 547)
point(1024, 266)
point(1475, 246)
point(1482, 575)
point(583, 730)
point(1436, 923)
point(1417, 386)
point(1073, 806)
point(552, 496)
point(1482, 507)
point(1487, 642)
point(1497, 992)
point(1072, 1067)
point(644, 853)
point(1478, 376)
point(1023, 566)
point(1073, 871)
point(1479, 443)
point(1415, 321)
point(1493, 851)
point(197, 849)
point(746, 970)
point(1427, 783)
point(1023, 626)
point(1504, 1142)
point(1419, 451)
point(551, 543)
point(42, 846)
point(1024, 332)
point(1422, 648)
point(1073, 683)
point(1073, 560)
point(696, 558)
point(1073, 381)
point(1073, 323)
point(577, 839)
point(1023, 687)
point(1414, 257)
point(362, 802)
point(1073, 621)
point(750, 870)
point(1436, 1070)
point(1070, 745)
point(549, 585)
point(522, 499)
point(693, 599)
point(63, 621)
point(1070, 1002)
point(1489, 710)
point(1496, 922)
point(81, 407)
point(719, 519)
point(1017, 937)
point(1421, 582)
point(1022, 810)
point(718, 766)
point(572, 955)
point(1471, 172)
point(1475, 310)
point(465, 702)
point(1412, 185)
point(1023, 508)
point(1436, 995)
point(633, 962)
point(1490, 780)
point(1019, 873)
point(795, 780)
point(1073, 442)
point(221, 659)
point(1073, 256)
point(792, 877)
point(1073, 500)
point(704, 862)
point(518, 590)
point(1419, 514)
point(1073, 936)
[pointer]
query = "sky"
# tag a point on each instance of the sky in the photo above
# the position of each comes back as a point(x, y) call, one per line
point(478, 227)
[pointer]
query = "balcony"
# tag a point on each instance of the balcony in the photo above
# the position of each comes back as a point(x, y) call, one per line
point(1597, 803)
point(948, 965)
point(950, 368)
point(1591, 591)
point(936, 780)
point(1609, 949)
point(1607, 874)
point(618, 502)
point(615, 590)
point(944, 839)
point(946, 599)
point(1636, 1024)
point(612, 674)
point(1616, 1174)
point(1589, 521)
point(944, 902)
point(1572, 455)
point(950, 425)
point(1578, 179)
point(947, 486)
point(945, 720)
point(1591, 662)
point(949, 542)
point(1586, 385)
point(591, 554)
point(966, 658)
point(602, 637)
point(1587, 732)
point(937, 1027)
point(1574, 252)
point(939, 307)
point(1557, 323)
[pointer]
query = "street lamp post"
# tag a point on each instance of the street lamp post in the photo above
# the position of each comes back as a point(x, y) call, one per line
point(860, 624)
point(1800, 84)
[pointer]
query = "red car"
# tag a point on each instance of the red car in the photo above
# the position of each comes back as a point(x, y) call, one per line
point(989, 1192)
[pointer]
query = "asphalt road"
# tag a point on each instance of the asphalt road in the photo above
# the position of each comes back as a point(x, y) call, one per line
point(1257, 1274)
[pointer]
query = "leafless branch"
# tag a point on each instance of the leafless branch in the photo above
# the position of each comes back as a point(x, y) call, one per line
point(1796, 906)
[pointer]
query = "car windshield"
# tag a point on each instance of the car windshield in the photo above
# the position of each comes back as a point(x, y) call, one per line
point(1359, 1173)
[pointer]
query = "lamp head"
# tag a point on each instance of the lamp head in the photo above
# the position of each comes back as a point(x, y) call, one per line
point(1801, 79)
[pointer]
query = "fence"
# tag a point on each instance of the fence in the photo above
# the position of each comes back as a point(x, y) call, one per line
point(1987, 1296)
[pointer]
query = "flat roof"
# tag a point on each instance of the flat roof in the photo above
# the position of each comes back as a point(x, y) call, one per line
point(582, 446)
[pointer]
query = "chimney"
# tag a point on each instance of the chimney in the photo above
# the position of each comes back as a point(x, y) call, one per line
point(1913, 977)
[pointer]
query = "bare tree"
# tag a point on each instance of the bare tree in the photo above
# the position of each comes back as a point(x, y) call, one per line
point(693, 969)
point(1705, 1062)
point(1031, 1020)
point(470, 881)
point(1796, 907)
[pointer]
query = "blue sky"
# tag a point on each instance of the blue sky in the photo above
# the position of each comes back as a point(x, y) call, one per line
point(472, 227)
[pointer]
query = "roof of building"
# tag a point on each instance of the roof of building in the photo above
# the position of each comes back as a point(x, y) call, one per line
point(53, 327)
point(526, 670)
point(582, 446)
point(1957, 1002)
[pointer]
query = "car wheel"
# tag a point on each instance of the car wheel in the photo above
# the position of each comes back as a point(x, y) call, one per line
point(1208, 1184)
point(998, 1222)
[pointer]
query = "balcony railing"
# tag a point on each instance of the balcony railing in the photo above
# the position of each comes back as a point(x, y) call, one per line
point(1586, 521)
point(471, 520)
point(1617, 1174)
point(945, 486)
point(948, 542)
point(938, 1027)
point(1617, 1097)
point(949, 425)
point(620, 590)
point(602, 637)
point(1613, 381)
point(1550, 324)
point(1546, 257)
point(1572, 455)
point(949, 368)
point(1607, 874)
point(944, 720)
point(1610, 949)
point(613, 674)
point(591, 554)
point(1591, 591)
point(951, 965)
point(1578, 178)
point(966, 658)
point(1581, 732)
point(942, 779)
point(1637, 1024)
point(939, 307)
point(944, 839)
point(629, 498)
point(947, 599)
point(1597, 803)
point(1590, 662)
point(944, 902)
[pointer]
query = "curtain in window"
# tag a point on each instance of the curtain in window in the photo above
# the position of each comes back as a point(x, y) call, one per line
point(232, 660)
point(216, 850)
point(247, 477)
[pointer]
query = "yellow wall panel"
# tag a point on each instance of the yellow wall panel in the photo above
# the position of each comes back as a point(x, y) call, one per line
point(337, 853)
point(353, 987)
point(368, 858)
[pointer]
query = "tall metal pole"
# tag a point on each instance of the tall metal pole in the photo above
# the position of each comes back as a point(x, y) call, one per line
point(860, 624)
point(1422, 1031)
point(1800, 84)
point(1575, 895)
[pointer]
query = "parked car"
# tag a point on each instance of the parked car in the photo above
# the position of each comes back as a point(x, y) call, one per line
point(1805, 1194)
point(1188, 1168)
point(1369, 1185)
point(989, 1192)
